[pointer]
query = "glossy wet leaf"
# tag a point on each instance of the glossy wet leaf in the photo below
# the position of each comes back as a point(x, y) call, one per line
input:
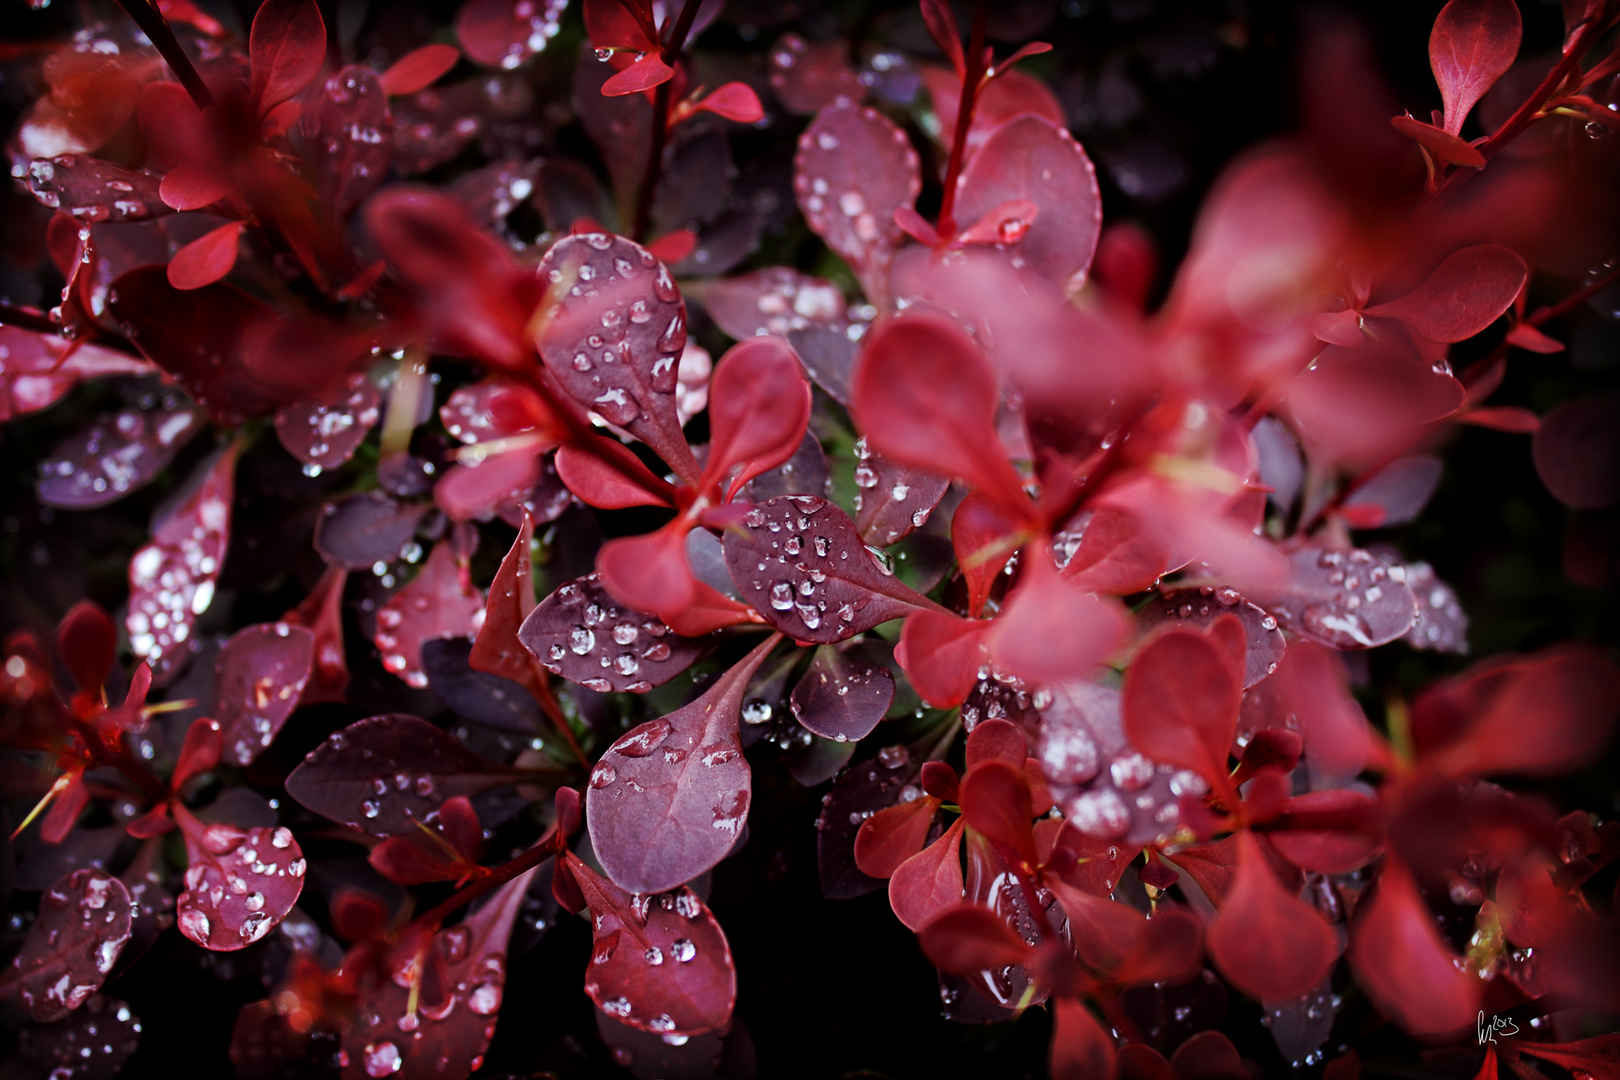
point(118, 453)
point(507, 33)
point(799, 561)
point(1266, 941)
point(239, 883)
point(1265, 644)
point(930, 881)
point(83, 923)
point(582, 634)
point(1030, 158)
point(259, 677)
point(1442, 624)
point(381, 774)
point(842, 695)
point(419, 1027)
point(894, 499)
point(668, 800)
point(437, 603)
point(858, 794)
point(1346, 599)
point(1472, 45)
point(172, 579)
point(325, 430)
point(1467, 292)
point(93, 190)
point(807, 75)
point(611, 330)
point(358, 531)
point(91, 1044)
point(351, 135)
point(853, 170)
point(658, 963)
point(775, 300)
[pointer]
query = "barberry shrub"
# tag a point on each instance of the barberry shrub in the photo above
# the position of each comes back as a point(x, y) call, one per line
point(483, 464)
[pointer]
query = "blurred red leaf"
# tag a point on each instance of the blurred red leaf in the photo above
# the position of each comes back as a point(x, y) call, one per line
point(1051, 629)
point(287, 46)
point(1181, 702)
point(995, 800)
point(811, 75)
point(1402, 962)
point(1444, 145)
point(206, 259)
point(1577, 452)
point(351, 135)
point(1081, 1047)
point(507, 33)
point(324, 430)
point(734, 101)
point(942, 655)
point(1467, 292)
point(419, 69)
point(258, 680)
point(984, 539)
point(967, 939)
point(1266, 941)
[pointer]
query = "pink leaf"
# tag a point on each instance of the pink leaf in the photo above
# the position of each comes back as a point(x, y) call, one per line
point(1267, 942)
point(854, 168)
point(582, 634)
point(1119, 553)
point(1181, 702)
point(419, 69)
point(1010, 95)
point(930, 881)
point(83, 924)
point(659, 964)
point(1508, 418)
point(1402, 962)
point(759, 404)
point(1358, 405)
point(644, 74)
point(258, 678)
point(239, 884)
point(1444, 145)
point(1472, 45)
point(287, 46)
point(1051, 629)
point(940, 21)
point(1031, 160)
point(206, 259)
point(174, 575)
point(611, 329)
point(811, 75)
point(819, 584)
point(734, 101)
point(506, 34)
point(1467, 292)
point(667, 801)
point(437, 603)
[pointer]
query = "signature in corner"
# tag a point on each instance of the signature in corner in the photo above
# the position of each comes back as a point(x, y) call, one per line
point(1487, 1031)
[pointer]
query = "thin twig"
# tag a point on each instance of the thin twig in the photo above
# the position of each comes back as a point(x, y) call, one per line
point(971, 78)
point(156, 28)
point(671, 54)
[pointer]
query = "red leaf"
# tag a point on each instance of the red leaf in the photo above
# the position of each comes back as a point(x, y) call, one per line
point(1444, 145)
point(854, 168)
point(942, 655)
point(1208, 1055)
point(1356, 406)
point(1328, 851)
point(659, 964)
point(93, 190)
point(759, 405)
point(419, 69)
point(1266, 941)
point(1003, 224)
point(674, 246)
point(820, 584)
point(650, 572)
point(1595, 1055)
point(1081, 1047)
point(580, 633)
point(87, 642)
point(507, 33)
point(893, 835)
point(1049, 628)
point(968, 939)
point(194, 187)
point(287, 46)
point(1010, 95)
point(930, 881)
point(842, 696)
point(811, 75)
point(324, 430)
point(258, 680)
point(198, 753)
point(996, 802)
point(413, 1025)
point(239, 884)
point(437, 603)
point(984, 539)
point(1032, 160)
point(1119, 553)
point(403, 861)
point(734, 101)
point(497, 649)
point(1506, 418)
point(622, 25)
point(1472, 45)
point(38, 369)
point(644, 74)
point(206, 259)
point(946, 426)
point(83, 924)
point(174, 575)
point(1404, 965)
point(1467, 292)
point(1529, 338)
point(1310, 688)
point(1263, 643)
point(351, 133)
point(382, 774)
point(610, 476)
point(667, 801)
point(774, 300)
point(611, 330)
point(940, 21)
point(1181, 702)
point(1577, 452)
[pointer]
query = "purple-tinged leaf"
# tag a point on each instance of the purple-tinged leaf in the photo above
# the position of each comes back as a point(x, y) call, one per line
point(382, 774)
point(842, 696)
point(805, 473)
point(1030, 158)
point(799, 561)
point(1472, 45)
point(853, 170)
point(1395, 494)
point(118, 453)
point(324, 431)
point(893, 499)
point(91, 1044)
point(358, 531)
point(857, 794)
point(239, 884)
point(659, 964)
point(36, 370)
point(83, 923)
point(1467, 292)
point(582, 634)
point(611, 329)
point(351, 137)
point(506, 34)
point(419, 69)
point(1346, 599)
point(776, 300)
point(1577, 452)
point(258, 679)
point(807, 75)
point(828, 354)
point(1441, 625)
point(491, 700)
point(668, 800)
point(93, 191)
point(171, 579)
point(1202, 606)
point(439, 602)
point(417, 1027)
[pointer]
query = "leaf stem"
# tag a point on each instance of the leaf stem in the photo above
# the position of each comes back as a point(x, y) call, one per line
point(156, 28)
point(972, 80)
point(1573, 300)
point(550, 844)
point(671, 52)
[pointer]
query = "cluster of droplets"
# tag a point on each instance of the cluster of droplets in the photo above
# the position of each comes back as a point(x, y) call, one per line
point(239, 885)
point(843, 217)
point(800, 559)
point(172, 578)
point(117, 453)
point(579, 632)
point(325, 432)
point(1347, 599)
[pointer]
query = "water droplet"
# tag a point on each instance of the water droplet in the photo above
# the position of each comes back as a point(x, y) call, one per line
point(382, 1059)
